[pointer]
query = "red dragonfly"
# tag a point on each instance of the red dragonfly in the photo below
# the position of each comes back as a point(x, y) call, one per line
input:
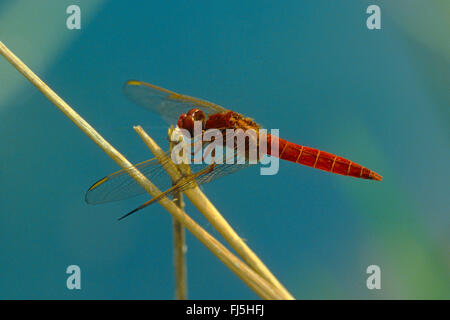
point(184, 110)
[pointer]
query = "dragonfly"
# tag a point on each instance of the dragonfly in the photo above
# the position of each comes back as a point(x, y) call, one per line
point(184, 111)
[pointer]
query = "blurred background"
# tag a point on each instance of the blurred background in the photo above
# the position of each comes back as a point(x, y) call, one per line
point(312, 69)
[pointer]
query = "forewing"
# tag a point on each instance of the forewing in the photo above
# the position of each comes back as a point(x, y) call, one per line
point(170, 105)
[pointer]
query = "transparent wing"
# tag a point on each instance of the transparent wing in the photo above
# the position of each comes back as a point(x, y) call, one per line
point(119, 185)
point(170, 105)
point(219, 170)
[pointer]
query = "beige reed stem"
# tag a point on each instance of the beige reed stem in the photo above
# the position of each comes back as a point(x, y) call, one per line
point(259, 285)
point(179, 246)
point(199, 199)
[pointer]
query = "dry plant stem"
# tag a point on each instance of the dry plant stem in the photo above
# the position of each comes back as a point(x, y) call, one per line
point(179, 242)
point(253, 280)
point(179, 254)
point(202, 203)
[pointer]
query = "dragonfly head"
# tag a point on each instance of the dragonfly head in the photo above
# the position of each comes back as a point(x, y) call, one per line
point(186, 121)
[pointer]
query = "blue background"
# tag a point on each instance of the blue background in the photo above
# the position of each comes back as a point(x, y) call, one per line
point(311, 69)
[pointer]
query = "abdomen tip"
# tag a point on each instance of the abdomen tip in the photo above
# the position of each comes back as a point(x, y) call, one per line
point(375, 176)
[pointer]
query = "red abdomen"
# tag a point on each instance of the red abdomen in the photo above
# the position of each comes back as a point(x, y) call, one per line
point(321, 160)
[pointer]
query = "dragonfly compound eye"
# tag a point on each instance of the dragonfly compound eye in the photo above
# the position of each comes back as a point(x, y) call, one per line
point(186, 122)
point(197, 114)
point(181, 120)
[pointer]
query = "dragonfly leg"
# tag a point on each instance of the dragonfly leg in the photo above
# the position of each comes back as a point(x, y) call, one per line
point(210, 149)
point(193, 146)
point(151, 201)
